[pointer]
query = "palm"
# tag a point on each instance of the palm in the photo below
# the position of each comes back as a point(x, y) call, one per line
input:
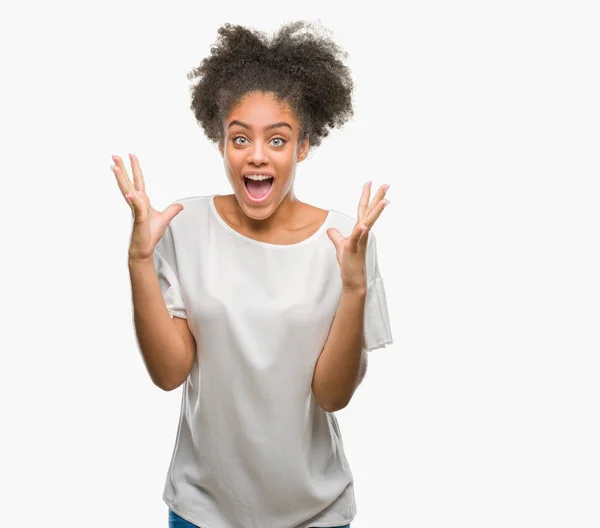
point(351, 250)
point(149, 224)
point(341, 247)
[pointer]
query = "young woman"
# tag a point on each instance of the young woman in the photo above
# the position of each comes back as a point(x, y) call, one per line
point(243, 299)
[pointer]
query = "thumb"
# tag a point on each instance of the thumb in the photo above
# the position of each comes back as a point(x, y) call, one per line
point(335, 236)
point(172, 211)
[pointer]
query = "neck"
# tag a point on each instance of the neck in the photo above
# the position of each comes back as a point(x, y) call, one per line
point(282, 216)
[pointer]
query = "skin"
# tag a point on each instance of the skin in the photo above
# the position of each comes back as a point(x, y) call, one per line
point(342, 363)
point(276, 151)
point(251, 143)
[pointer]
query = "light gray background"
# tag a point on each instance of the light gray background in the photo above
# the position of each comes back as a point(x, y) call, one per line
point(483, 117)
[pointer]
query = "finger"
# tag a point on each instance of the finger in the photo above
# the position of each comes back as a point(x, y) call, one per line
point(135, 203)
point(138, 176)
point(375, 213)
point(122, 180)
point(377, 198)
point(364, 201)
point(335, 236)
point(355, 237)
point(363, 236)
point(124, 185)
point(172, 211)
point(124, 176)
point(129, 200)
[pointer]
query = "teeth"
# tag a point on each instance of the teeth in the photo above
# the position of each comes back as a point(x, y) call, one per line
point(258, 177)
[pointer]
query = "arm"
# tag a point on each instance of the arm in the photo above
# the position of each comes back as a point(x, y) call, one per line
point(167, 350)
point(343, 362)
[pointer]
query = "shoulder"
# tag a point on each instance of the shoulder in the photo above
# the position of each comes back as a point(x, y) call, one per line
point(192, 203)
point(345, 223)
point(186, 224)
point(193, 206)
point(341, 221)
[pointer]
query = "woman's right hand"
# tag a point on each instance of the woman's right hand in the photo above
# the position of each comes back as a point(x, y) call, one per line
point(148, 223)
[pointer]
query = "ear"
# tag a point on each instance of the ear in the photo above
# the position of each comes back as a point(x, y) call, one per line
point(303, 149)
point(221, 147)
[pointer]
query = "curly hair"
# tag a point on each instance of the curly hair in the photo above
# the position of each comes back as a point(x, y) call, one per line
point(304, 70)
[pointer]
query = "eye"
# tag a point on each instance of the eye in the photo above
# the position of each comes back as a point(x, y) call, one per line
point(280, 139)
point(238, 137)
point(283, 141)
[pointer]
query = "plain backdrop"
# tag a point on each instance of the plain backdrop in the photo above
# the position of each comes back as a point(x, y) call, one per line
point(484, 118)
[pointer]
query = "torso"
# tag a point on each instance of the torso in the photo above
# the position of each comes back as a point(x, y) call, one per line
point(260, 315)
point(309, 220)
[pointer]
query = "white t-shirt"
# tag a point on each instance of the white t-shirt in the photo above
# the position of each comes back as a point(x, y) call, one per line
point(253, 447)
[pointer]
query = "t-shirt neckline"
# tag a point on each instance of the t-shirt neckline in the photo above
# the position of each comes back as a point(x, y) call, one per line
point(227, 227)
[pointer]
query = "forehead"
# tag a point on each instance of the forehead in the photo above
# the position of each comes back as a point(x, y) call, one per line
point(262, 109)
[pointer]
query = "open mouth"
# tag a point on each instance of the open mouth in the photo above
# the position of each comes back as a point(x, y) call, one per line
point(258, 189)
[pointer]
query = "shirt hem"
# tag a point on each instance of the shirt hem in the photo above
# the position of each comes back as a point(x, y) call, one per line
point(186, 517)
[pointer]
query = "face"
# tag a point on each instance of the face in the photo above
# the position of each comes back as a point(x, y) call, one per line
point(261, 137)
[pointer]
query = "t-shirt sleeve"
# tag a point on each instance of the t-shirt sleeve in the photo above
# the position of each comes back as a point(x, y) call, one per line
point(165, 264)
point(377, 332)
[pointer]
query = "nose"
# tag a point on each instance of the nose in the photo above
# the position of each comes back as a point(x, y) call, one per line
point(257, 154)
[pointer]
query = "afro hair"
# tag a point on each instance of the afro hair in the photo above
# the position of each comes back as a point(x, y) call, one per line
point(302, 68)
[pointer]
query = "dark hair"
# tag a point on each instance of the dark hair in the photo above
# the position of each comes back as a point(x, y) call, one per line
point(302, 69)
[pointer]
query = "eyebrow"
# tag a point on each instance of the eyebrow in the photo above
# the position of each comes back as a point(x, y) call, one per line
point(274, 125)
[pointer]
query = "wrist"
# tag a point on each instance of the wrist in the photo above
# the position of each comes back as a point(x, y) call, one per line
point(135, 262)
point(358, 288)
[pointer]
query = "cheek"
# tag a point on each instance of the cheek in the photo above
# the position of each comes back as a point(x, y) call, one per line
point(285, 157)
point(232, 157)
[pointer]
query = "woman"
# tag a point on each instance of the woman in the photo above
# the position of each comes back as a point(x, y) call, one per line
point(271, 322)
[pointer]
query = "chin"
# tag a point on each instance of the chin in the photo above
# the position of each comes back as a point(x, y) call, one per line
point(256, 212)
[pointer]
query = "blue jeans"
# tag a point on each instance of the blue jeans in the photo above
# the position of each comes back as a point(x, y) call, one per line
point(177, 522)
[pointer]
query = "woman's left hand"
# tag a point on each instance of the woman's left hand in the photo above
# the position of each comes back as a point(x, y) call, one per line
point(351, 251)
